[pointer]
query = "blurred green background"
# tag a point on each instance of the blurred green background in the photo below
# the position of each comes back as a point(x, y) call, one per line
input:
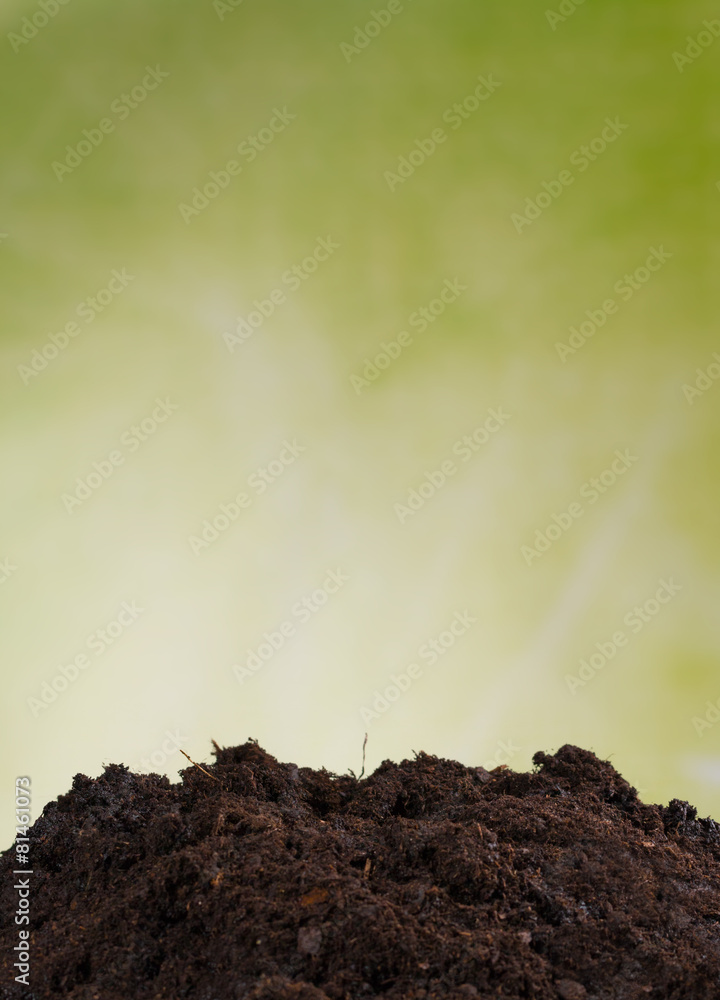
point(174, 671)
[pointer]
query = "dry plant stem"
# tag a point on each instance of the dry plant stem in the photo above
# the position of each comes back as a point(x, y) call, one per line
point(363, 764)
point(201, 768)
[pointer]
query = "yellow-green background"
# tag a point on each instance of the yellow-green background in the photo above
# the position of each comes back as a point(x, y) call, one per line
point(504, 679)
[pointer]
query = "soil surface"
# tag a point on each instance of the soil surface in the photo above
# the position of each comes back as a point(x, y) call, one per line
point(427, 879)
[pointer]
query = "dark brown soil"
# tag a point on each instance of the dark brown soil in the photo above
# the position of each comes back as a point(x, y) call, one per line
point(427, 879)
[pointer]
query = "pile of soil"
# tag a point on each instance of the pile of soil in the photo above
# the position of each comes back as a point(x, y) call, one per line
point(428, 879)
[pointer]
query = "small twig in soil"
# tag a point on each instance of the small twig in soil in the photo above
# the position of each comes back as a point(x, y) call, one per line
point(363, 767)
point(214, 778)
